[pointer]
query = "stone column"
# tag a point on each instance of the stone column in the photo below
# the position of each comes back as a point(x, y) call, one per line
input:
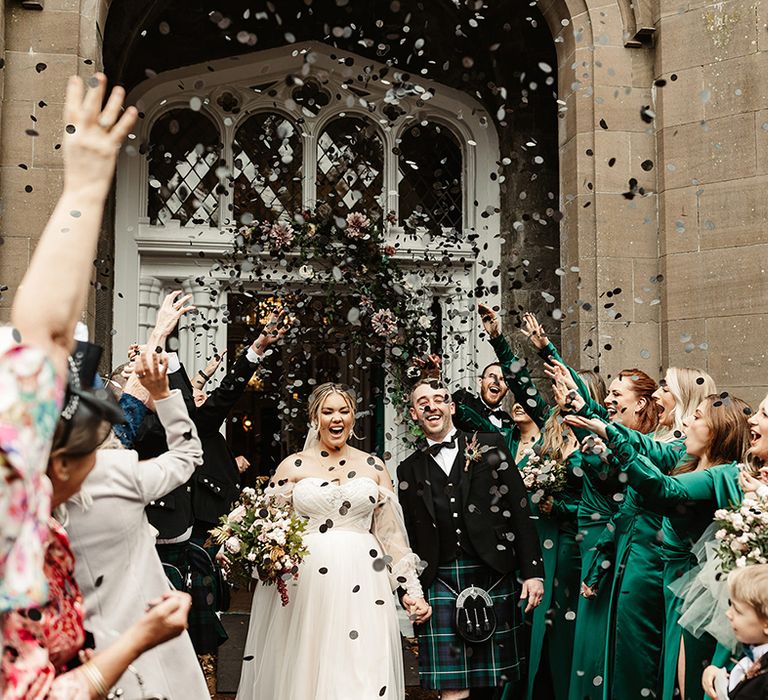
point(150, 296)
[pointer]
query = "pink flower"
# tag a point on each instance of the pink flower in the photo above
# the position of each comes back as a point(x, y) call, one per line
point(388, 250)
point(280, 235)
point(357, 225)
point(384, 323)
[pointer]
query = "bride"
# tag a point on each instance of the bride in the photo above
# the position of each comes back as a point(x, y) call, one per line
point(338, 638)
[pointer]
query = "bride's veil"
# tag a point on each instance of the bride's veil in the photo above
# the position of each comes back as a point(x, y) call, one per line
point(312, 439)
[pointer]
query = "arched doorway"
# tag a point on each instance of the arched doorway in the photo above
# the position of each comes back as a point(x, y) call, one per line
point(481, 94)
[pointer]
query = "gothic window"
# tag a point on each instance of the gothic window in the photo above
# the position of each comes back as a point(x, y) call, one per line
point(267, 167)
point(350, 167)
point(184, 154)
point(430, 178)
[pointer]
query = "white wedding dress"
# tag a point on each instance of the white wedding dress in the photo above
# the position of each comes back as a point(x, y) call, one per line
point(338, 638)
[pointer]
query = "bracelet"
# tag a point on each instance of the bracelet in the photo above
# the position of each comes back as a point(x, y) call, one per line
point(95, 679)
point(203, 375)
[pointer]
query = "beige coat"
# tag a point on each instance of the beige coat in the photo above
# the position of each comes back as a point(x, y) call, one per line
point(117, 566)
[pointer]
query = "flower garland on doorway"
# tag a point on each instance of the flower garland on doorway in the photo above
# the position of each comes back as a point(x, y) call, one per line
point(349, 267)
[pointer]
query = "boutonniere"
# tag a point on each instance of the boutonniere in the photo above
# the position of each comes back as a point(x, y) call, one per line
point(473, 452)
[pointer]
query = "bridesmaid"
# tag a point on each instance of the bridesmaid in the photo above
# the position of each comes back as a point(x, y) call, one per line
point(553, 622)
point(706, 478)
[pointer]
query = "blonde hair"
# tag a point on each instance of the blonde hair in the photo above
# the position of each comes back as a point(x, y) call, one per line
point(321, 393)
point(554, 436)
point(689, 387)
point(595, 384)
point(750, 585)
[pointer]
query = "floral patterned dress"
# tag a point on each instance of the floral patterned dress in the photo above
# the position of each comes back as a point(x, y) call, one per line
point(41, 621)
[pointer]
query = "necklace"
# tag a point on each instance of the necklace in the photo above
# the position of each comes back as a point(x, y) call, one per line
point(324, 455)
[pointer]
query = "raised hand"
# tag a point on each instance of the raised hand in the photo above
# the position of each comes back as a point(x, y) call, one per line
point(587, 591)
point(557, 370)
point(568, 399)
point(204, 375)
point(490, 320)
point(152, 372)
point(277, 325)
point(534, 331)
point(429, 367)
point(594, 425)
point(171, 310)
point(93, 135)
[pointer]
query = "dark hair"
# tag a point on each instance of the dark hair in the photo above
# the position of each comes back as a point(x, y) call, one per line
point(487, 367)
point(433, 383)
point(643, 387)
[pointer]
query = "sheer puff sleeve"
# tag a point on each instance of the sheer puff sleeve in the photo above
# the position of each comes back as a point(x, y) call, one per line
point(389, 529)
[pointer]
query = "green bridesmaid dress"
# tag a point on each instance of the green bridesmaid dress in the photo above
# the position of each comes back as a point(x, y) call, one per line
point(553, 621)
point(689, 501)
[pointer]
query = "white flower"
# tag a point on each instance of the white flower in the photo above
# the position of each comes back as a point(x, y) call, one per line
point(251, 556)
point(424, 322)
point(237, 514)
point(232, 545)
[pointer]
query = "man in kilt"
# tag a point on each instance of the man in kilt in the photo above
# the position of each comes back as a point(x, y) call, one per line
point(466, 512)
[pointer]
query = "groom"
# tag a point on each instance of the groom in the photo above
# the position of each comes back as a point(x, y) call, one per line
point(466, 512)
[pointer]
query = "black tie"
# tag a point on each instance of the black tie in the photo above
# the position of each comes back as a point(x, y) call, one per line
point(498, 413)
point(434, 450)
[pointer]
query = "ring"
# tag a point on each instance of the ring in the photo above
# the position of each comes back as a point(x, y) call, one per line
point(140, 375)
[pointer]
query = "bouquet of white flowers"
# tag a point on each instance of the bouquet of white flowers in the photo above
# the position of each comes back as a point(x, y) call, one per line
point(742, 534)
point(544, 476)
point(262, 540)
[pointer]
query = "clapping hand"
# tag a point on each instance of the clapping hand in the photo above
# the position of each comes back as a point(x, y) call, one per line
point(490, 320)
point(419, 611)
point(534, 331)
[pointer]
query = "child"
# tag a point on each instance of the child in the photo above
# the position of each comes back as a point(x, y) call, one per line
point(748, 615)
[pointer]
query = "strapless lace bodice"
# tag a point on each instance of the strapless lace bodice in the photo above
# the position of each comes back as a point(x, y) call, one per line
point(328, 505)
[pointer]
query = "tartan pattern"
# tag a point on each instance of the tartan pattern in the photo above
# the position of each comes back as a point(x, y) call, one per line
point(205, 629)
point(445, 659)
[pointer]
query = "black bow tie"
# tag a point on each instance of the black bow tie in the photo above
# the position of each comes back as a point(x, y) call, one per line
point(497, 413)
point(434, 450)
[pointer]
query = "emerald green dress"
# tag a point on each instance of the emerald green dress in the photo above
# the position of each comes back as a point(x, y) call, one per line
point(627, 560)
point(553, 622)
point(689, 501)
point(601, 495)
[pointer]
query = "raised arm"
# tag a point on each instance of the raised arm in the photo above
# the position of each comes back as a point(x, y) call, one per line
point(156, 477)
point(217, 406)
point(664, 455)
point(515, 371)
point(54, 290)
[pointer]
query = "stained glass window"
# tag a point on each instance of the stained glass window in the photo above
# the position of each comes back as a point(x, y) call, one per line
point(184, 153)
point(350, 167)
point(430, 177)
point(267, 167)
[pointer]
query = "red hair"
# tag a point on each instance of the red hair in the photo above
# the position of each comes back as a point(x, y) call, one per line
point(643, 387)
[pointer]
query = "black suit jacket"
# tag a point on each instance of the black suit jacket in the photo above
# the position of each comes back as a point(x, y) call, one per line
point(210, 492)
point(754, 687)
point(496, 515)
point(478, 406)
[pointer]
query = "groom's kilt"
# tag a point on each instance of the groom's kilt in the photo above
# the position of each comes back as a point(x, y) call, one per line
point(445, 659)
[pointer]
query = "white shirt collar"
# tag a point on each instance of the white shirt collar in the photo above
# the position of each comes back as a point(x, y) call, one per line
point(448, 437)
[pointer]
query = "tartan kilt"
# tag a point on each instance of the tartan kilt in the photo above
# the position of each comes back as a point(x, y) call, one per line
point(445, 659)
point(205, 629)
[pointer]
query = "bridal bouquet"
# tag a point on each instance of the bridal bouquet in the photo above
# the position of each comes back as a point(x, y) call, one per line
point(543, 475)
point(262, 539)
point(742, 535)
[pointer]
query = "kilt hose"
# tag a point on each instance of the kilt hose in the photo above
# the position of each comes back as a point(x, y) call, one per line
point(446, 661)
point(205, 629)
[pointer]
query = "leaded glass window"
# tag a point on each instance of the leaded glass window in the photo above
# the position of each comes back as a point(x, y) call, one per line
point(184, 154)
point(267, 167)
point(350, 167)
point(430, 178)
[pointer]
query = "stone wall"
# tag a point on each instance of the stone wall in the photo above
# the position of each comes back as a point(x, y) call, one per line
point(674, 274)
point(713, 138)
